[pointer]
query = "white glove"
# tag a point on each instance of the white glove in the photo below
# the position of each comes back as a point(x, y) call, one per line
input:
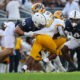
point(24, 67)
point(46, 60)
point(28, 34)
point(69, 38)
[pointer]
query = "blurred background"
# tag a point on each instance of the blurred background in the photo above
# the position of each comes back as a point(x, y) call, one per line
point(24, 7)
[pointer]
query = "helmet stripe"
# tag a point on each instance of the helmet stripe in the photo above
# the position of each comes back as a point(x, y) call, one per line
point(75, 14)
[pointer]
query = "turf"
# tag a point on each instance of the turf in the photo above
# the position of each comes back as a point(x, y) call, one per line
point(41, 76)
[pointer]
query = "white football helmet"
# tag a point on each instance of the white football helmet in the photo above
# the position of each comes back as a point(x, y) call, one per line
point(74, 14)
point(39, 19)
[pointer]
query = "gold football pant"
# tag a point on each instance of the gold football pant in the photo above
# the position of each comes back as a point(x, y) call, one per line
point(46, 42)
point(59, 42)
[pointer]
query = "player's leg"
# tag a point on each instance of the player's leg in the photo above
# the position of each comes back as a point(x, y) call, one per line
point(9, 45)
point(42, 41)
point(36, 51)
point(47, 64)
point(78, 57)
point(34, 58)
point(5, 53)
point(65, 50)
point(59, 64)
point(48, 43)
point(59, 42)
point(33, 65)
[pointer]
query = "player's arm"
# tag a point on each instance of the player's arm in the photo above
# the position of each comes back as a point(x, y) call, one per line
point(5, 53)
point(61, 31)
point(20, 31)
point(43, 31)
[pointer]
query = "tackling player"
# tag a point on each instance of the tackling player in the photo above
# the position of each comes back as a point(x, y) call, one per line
point(45, 37)
point(26, 25)
point(73, 27)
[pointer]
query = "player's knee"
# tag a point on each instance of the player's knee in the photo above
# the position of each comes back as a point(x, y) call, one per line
point(9, 50)
point(37, 66)
point(64, 50)
point(30, 62)
point(52, 56)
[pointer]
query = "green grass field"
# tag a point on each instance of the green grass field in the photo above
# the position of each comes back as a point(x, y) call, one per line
point(41, 76)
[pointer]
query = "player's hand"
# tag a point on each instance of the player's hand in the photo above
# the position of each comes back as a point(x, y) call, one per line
point(46, 60)
point(69, 38)
point(28, 34)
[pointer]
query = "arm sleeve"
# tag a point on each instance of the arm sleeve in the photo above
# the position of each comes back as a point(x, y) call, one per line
point(60, 29)
point(44, 30)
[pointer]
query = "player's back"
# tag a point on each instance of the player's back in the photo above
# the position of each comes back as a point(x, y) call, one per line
point(49, 19)
point(56, 23)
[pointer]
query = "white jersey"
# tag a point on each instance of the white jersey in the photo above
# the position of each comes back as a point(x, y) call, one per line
point(72, 43)
point(53, 29)
point(2, 41)
point(1, 32)
point(9, 35)
point(48, 16)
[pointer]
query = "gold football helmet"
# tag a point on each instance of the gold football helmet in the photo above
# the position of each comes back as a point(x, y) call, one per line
point(38, 7)
point(58, 14)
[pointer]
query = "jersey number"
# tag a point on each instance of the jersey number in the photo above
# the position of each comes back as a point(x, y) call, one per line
point(76, 35)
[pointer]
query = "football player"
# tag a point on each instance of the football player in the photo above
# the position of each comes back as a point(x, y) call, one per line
point(9, 33)
point(24, 26)
point(4, 63)
point(39, 7)
point(73, 28)
point(49, 17)
point(9, 40)
point(46, 37)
